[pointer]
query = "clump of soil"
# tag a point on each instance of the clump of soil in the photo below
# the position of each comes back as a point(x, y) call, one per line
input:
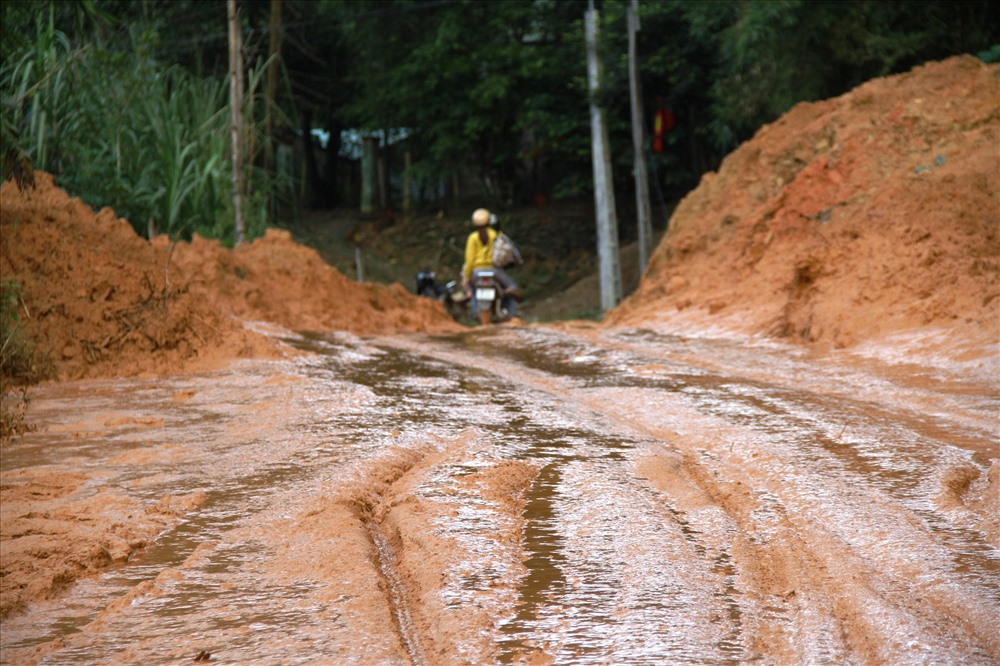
point(50, 538)
point(104, 301)
point(846, 220)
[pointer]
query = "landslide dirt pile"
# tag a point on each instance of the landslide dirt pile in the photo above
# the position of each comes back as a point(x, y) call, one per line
point(846, 220)
point(103, 301)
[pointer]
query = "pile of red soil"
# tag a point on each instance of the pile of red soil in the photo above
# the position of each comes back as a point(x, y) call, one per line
point(103, 301)
point(846, 220)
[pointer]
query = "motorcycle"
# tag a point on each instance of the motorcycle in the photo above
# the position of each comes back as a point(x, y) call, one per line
point(428, 286)
point(456, 301)
point(490, 297)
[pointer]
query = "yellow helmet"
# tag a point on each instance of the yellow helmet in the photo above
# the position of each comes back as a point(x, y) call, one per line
point(481, 217)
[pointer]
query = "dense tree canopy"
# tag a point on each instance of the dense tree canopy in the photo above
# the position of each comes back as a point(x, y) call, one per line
point(126, 101)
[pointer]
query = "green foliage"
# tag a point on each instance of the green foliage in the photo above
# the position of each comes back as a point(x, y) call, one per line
point(991, 54)
point(766, 56)
point(119, 128)
point(21, 360)
point(481, 84)
point(186, 178)
point(21, 363)
point(136, 117)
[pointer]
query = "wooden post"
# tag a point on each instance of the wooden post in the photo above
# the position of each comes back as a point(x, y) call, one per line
point(236, 115)
point(642, 205)
point(609, 263)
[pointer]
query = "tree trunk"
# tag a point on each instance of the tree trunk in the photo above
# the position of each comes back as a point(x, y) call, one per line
point(369, 174)
point(314, 186)
point(642, 205)
point(236, 115)
point(407, 184)
point(382, 173)
point(273, 67)
point(332, 191)
point(609, 263)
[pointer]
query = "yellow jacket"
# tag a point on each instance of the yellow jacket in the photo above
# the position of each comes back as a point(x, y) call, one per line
point(478, 255)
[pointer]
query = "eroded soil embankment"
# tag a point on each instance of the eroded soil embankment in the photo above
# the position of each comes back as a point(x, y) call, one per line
point(846, 221)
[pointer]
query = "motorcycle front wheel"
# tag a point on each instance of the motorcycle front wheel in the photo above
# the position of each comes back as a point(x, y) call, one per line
point(453, 309)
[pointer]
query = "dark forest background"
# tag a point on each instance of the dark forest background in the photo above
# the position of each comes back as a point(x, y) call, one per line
point(126, 102)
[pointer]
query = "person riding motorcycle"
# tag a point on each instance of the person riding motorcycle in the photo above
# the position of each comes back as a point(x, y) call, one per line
point(479, 256)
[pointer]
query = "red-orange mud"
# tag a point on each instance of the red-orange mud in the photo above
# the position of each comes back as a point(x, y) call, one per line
point(847, 220)
point(842, 226)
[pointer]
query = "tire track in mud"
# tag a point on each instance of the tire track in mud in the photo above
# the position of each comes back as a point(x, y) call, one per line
point(402, 513)
point(479, 502)
point(552, 435)
point(370, 503)
point(532, 426)
point(831, 602)
point(396, 596)
point(418, 521)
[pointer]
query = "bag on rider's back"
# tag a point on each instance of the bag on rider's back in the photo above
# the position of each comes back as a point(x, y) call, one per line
point(505, 253)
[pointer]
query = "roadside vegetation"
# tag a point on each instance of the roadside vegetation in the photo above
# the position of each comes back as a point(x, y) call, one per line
point(127, 103)
point(22, 363)
point(119, 127)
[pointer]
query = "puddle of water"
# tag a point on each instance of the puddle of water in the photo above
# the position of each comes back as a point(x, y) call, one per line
point(545, 557)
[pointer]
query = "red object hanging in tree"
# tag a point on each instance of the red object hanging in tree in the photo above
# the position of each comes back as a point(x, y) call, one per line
point(663, 122)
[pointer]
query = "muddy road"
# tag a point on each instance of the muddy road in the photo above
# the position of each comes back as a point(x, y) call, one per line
point(533, 495)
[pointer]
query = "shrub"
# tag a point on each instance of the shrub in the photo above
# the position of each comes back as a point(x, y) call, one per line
point(22, 363)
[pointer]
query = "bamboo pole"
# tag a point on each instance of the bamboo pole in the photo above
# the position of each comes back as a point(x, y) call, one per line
point(369, 174)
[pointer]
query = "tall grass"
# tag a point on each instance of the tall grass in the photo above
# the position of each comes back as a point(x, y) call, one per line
point(119, 129)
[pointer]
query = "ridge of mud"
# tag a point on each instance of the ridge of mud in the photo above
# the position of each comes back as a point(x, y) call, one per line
point(29, 519)
point(370, 502)
point(416, 560)
point(395, 503)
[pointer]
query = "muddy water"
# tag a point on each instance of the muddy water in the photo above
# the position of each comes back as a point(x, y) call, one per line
point(689, 501)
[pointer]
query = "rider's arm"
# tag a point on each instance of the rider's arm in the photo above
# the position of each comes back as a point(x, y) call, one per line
point(470, 257)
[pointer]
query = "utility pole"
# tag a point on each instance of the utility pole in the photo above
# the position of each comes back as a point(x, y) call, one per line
point(642, 205)
point(609, 266)
point(236, 114)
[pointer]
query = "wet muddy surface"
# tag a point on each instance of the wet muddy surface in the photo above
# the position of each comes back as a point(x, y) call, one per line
point(533, 495)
